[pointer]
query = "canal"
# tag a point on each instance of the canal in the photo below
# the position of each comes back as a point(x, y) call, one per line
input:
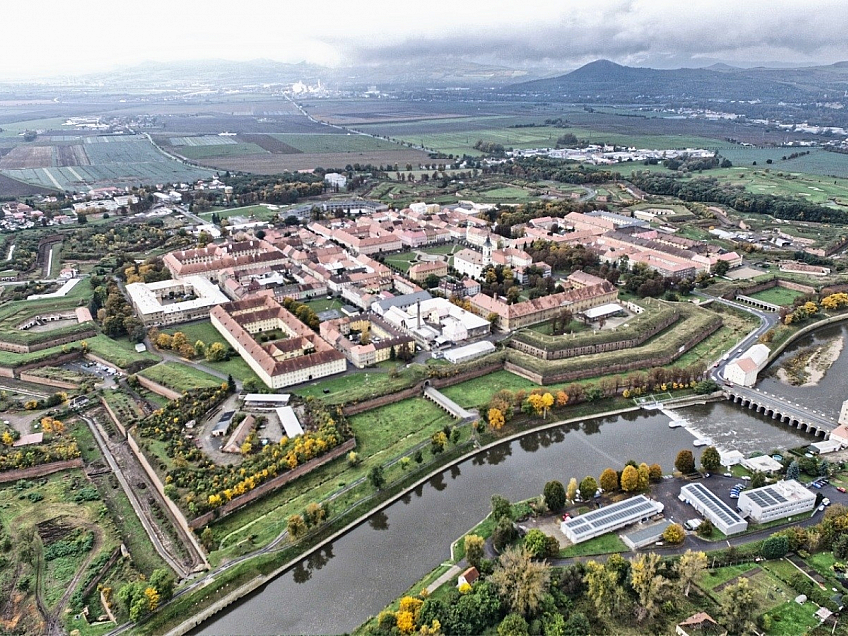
point(357, 576)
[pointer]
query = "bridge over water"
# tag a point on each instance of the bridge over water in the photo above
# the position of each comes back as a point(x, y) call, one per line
point(778, 408)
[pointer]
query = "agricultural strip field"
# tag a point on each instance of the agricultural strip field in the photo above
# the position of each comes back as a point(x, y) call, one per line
point(115, 161)
point(320, 144)
point(180, 377)
point(224, 150)
point(275, 163)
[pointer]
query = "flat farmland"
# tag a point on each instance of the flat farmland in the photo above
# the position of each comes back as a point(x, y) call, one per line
point(223, 150)
point(818, 162)
point(27, 157)
point(323, 144)
point(203, 140)
point(285, 120)
point(270, 143)
point(112, 161)
point(273, 164)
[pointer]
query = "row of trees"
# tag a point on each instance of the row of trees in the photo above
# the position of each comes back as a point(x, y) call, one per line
point(178, 342)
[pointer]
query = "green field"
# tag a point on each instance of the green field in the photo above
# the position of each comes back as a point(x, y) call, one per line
point(778, 296)
point(194, 331)
point(331, 143)
point(359, 386)
point(180, 377)
point(605, 544)
point(401, 260)
point(121, 353)
point(221, 150)
point(385, 431)
point(261, 212)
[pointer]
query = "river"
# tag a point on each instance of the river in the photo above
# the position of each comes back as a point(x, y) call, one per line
point(358, 575)
point(827, 396)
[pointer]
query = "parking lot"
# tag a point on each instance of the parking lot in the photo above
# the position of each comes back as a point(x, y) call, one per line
point(106, 375)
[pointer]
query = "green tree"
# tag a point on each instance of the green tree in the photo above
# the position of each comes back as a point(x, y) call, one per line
point(794, 470)
point(650, 586)
point(513, 625)
point(603, 589)
point(685, 462)
point(554, 493)
point(504, 533)
point(738, 606)
point(216, 352)
point(521, 582)
point(710, 459)
point(689, 568)
point(588, 488)
point(296, 526)
point(758, 480)
point(207, 540)
point(376, 477)
point(775, 547)
point(609, 480)
point(501, 507)
point(540, 545)
point(474, 549)
point(163, 582)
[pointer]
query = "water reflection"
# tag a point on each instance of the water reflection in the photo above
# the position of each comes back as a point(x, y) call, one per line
point(379, 521)
point(378, 560)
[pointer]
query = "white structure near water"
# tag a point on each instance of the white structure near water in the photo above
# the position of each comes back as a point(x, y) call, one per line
point(744, 369)
point(711, 507)
point(610, 518)
point(777, 501)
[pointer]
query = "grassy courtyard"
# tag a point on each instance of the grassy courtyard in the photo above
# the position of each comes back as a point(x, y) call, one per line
point(778, 296)
point(180, 377)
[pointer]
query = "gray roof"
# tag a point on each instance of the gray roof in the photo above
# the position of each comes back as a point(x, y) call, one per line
point(403, 301)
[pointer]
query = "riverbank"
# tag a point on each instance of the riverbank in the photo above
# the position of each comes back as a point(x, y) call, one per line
point(809, 366)
point(231, 595)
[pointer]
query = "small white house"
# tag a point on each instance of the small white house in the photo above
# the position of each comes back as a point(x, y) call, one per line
point(468, 577)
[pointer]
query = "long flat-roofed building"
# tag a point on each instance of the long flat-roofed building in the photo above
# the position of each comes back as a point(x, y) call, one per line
point(300, 357)
point(610, 518)
point(162, 303)
point(777, 501)
point(708, 504)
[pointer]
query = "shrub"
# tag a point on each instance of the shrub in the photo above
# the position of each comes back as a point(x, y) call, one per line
point(674, 534)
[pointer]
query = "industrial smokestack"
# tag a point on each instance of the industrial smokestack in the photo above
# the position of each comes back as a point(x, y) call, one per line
point(418, 305)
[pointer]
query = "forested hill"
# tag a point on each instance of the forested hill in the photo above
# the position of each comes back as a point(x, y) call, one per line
point(603, 80)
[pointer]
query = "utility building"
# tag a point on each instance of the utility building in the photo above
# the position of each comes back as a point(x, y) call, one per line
point(708, 504)
point(783, 499)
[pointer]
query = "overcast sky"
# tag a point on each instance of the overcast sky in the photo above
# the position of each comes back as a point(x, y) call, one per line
point(51, 37)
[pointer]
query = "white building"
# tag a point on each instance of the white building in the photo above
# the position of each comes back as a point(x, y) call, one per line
point(744, 369)
point(610, 518)
point(469, 352)
point(710, 506)
point(170, 302)
point(777, 501)
point(336, 180)
point(762, 464)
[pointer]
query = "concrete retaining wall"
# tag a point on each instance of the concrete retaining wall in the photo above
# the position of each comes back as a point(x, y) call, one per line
point(61, 384)
point(157, 388)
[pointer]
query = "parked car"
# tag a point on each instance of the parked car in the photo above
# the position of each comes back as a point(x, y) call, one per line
point(840, 488)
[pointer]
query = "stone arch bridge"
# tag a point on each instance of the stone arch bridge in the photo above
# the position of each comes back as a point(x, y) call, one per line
point(782, 410)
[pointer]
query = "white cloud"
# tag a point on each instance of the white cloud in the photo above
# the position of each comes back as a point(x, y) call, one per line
point(49, 37)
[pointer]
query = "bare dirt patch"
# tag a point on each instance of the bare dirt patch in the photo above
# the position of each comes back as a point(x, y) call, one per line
point(14, 188)
point(273, 164)
point(28, 157)
point(71, 156)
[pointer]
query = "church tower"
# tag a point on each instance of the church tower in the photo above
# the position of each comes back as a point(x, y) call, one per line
point(487, 250)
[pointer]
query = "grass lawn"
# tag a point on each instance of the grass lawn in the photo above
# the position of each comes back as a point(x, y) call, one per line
point(713, 578)
point(386, 429)
point(180, 377)
point(402, 260)
point(121, 352)
point(359, 386)
point(791, 619)
point(323, 304)
point(479, 390)
point(261, 212)
point(235, 367)
point(778, 296)
point(605, 544)
point(202, 330)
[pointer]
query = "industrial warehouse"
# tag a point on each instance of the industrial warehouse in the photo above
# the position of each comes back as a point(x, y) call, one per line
point(708, 504)
point(609, 518)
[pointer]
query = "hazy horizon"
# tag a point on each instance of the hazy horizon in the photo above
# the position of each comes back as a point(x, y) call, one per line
point(542, 37)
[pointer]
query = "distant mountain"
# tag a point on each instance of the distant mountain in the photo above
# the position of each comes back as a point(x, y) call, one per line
point(608, 81)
